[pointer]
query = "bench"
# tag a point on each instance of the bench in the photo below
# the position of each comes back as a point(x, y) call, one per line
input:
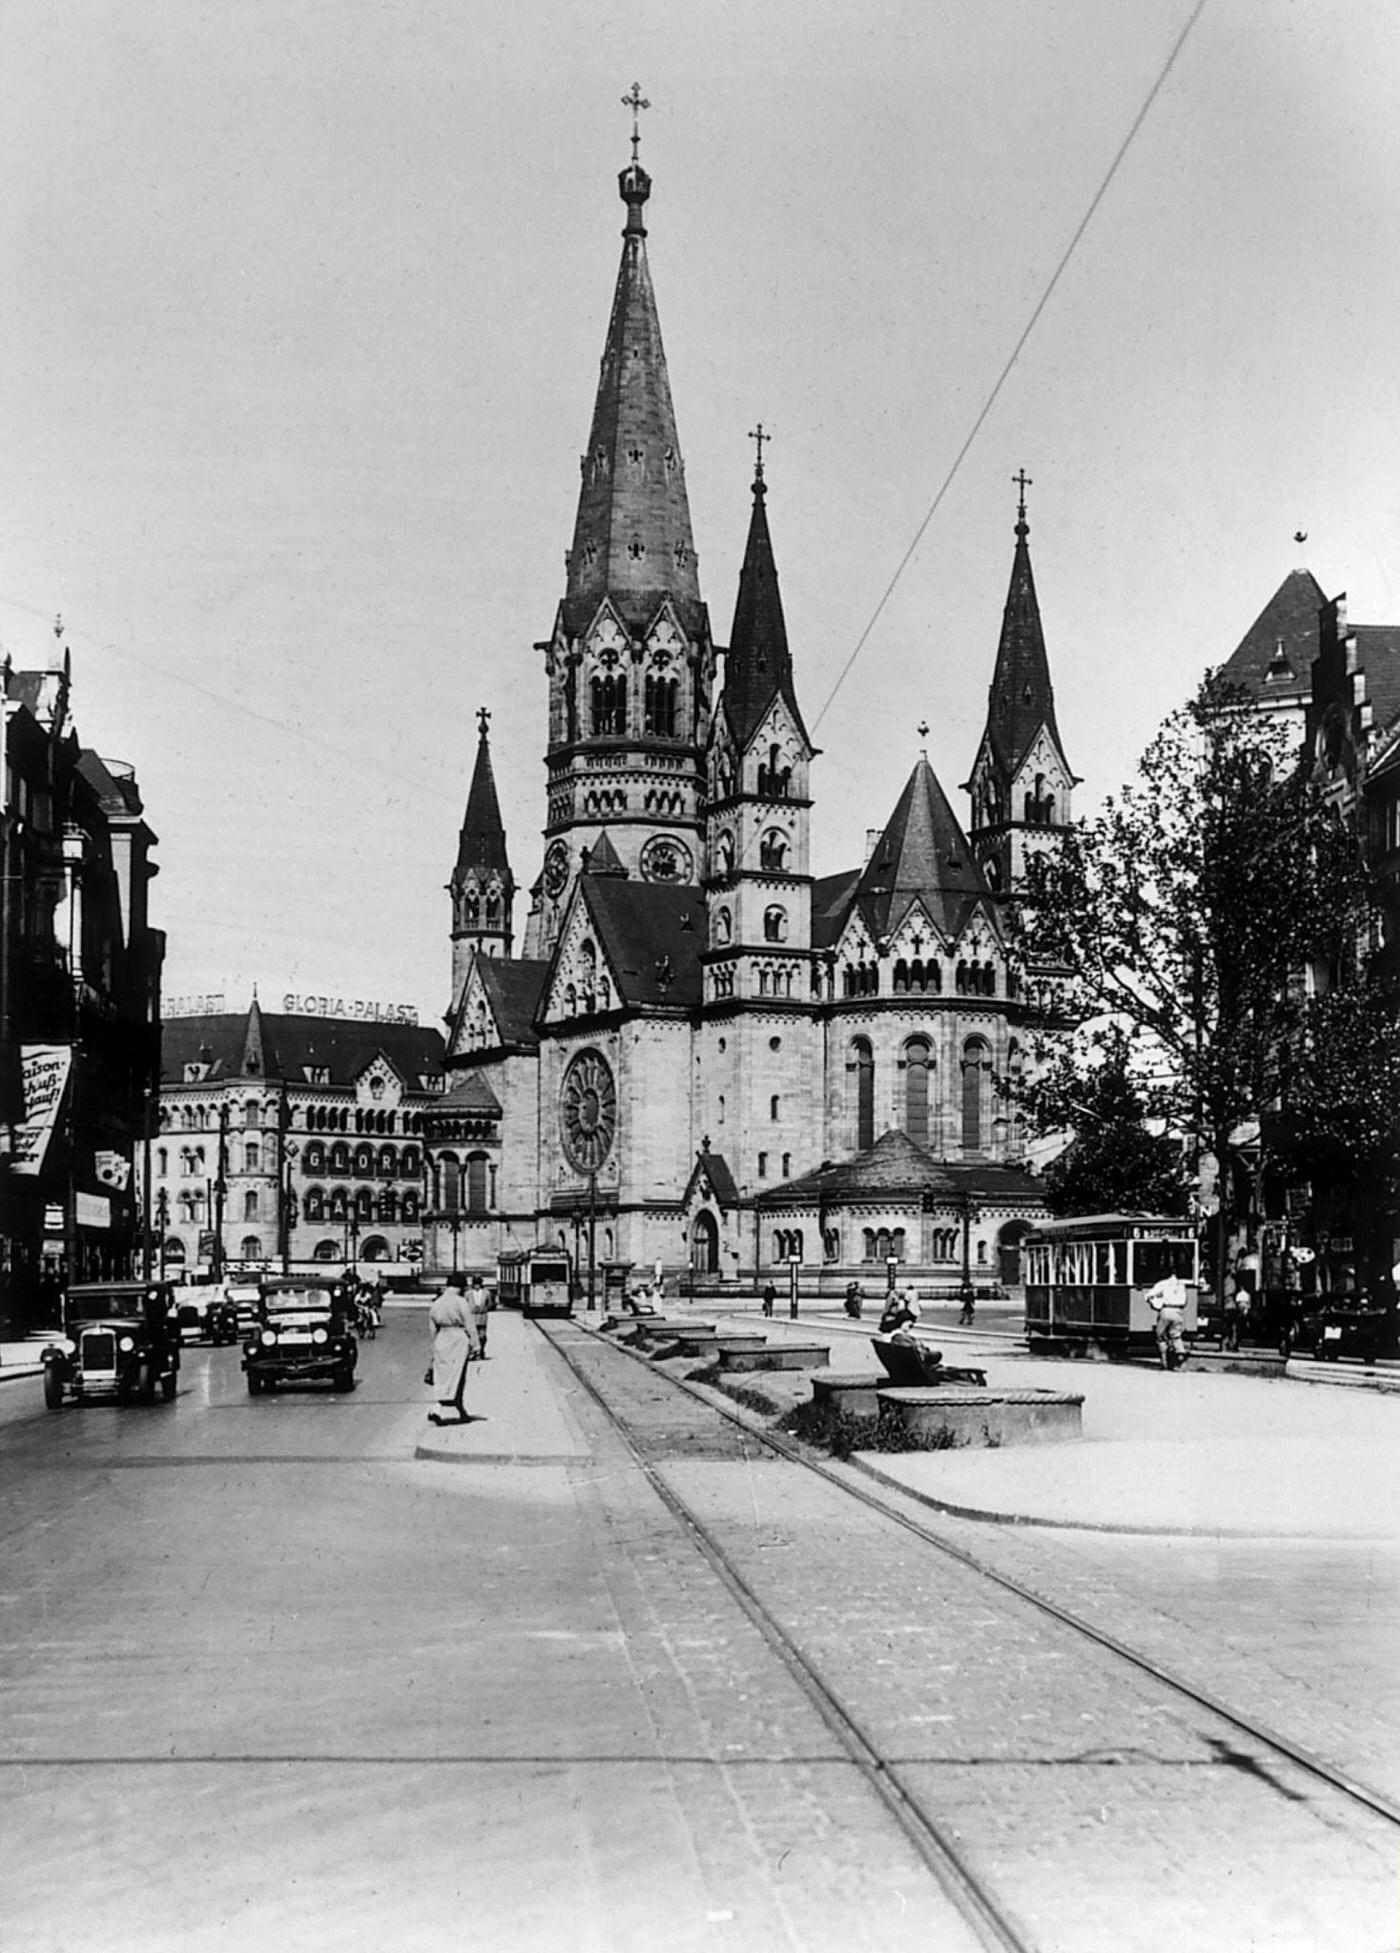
point(916, 1365)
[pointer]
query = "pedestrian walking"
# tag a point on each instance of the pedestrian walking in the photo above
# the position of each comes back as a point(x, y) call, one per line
point(1167, 1301)
point(770, 1296)
point(481, 1301)
point(455, 1343)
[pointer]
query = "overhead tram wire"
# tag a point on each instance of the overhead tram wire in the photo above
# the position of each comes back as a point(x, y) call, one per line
point(1015, 354)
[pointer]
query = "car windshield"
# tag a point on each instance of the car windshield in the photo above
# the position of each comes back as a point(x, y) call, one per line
point(100, 1305)
point(296, 1301)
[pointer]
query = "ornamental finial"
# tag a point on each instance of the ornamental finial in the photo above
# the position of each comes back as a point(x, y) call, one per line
point(758, 437)
point(636, 101)
point(483, 720)
point(1023, 482)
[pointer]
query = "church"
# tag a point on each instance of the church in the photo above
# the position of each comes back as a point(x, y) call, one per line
point(688, 1049)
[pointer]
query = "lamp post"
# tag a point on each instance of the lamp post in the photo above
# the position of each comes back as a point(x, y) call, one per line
point(162, 1225)
point(970, 1212)
point(592, 1233)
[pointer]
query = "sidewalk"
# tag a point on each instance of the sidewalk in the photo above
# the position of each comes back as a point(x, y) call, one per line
point(519, 1411)
point(1192, 1452)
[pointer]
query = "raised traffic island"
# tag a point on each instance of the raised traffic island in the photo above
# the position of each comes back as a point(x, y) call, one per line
point(736, 1353)
point(955, 1415)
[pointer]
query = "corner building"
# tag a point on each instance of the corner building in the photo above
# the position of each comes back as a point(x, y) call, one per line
point(697, 1030)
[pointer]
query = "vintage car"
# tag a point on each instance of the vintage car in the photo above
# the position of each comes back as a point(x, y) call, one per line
point(204, 1315)
point(1351, 1325)
point(118, 1342)
point(243, 1299)
point(304, 1333)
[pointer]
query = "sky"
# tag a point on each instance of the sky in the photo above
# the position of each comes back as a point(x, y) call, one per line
point(300, 321)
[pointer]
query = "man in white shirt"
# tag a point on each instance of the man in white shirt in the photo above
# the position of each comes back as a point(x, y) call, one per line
point(1167, 1301)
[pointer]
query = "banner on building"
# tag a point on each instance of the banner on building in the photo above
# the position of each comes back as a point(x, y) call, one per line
point(92, 1210)
point(112, 1169)
point(45, 1068)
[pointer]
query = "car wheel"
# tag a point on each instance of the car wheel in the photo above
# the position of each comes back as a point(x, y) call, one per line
point(167, 1387)
point(344, 1379)
point(53, 1388)
point(255, 1384)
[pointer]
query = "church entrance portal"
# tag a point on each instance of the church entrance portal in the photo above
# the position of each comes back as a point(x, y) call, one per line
point(704, 1245)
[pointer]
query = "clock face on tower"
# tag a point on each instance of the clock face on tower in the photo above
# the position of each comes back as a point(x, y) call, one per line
point(666, 860)
point(556, 868)
point(588, 1111)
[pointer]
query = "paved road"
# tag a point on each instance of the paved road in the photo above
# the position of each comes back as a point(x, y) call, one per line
point(267, 1678)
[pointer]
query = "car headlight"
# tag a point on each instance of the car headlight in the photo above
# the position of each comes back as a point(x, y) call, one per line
point(125, 1345)
point(268, 1338)
point(318, 1335)
point(68, 1346)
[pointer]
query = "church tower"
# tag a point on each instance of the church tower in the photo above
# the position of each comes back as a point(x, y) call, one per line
point(630, 663)
point(758, 813)
point(1021, 782)
point(482, 887)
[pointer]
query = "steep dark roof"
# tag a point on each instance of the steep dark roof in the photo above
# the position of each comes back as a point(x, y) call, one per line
point(513, 989)
point(713, 1167)
point(1021, 699)
point(287, 1046)
point(922, 856)
point(759, 666)
point(831, 904)
point(897, 1168)
point(602, 859)
point(1378, 658)
point(1274, 658)
point(471, 1093)
point(632, 537)
point(652, 934)
point(481, 844)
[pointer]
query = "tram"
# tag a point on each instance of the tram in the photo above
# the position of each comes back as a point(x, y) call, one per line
point(537, 1281)
point(1087, 1279)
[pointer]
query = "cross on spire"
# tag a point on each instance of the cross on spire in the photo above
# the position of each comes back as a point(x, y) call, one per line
point(1023, 482)
point(636, 101)
point(483, 719)
point(758, 437)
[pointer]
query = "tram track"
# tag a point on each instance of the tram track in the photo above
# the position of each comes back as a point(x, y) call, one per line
point(1269, 1752)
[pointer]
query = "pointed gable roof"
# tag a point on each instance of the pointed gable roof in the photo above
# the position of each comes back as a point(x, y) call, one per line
point(513, 988)
point(1274, 658)
point(603, 859)
point(759, 665)
point(632, 536)
point(1021, 699)
point(481, 846)
point(652, 934)
point(923, 856)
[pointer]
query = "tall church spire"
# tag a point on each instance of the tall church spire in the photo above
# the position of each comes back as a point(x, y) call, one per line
point(759, 665)
point(482, 886)
point(632, 537)
point(1020, 779)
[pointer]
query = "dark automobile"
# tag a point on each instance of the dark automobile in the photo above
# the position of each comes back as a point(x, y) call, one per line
point(204, 1315)
point(304, 1333)
point(118, 1341)
point(1351, 1325)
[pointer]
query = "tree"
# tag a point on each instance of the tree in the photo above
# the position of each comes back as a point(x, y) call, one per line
point(1114, 1164)
point(1190, 916)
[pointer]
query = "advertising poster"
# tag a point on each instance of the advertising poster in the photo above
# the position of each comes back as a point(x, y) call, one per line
point(45, 1069)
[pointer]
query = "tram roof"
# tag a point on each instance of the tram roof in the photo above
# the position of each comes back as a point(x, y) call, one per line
point(1107, 1225)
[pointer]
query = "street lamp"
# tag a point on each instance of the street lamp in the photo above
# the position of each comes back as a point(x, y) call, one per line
point(970, 1212)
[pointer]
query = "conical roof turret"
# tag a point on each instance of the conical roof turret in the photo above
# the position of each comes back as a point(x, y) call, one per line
point(1021, 699)
point(923, 856)
point(758, 668)
point(632, 537)
point(481, 846)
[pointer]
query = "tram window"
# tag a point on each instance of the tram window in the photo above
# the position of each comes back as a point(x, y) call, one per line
point(1103, 1271)
point(1153, 1261)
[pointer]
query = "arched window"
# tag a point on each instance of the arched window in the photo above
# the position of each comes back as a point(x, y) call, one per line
point(901, 977)
point(364, 1160)
point(162, 1161)
point(609, 696)
point(860, 1070)
point(450, 1188)
point(252, 1111)
point(252, 1157)
point(917, 1060)
point(975, 1059)
point(250, 1204)
point(386, 1209)
point(314, 1159)
point(313, 1204)
point(250, 1247)
point(659, 706)
point(775, 924)
point(340, 1157)
point(772, 850)
point(476, 1183)
point(867, 1244)
point(409, 1205)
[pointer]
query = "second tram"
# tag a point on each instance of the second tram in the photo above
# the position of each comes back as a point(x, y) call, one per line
point(1087, 1279)
point(537, 1281)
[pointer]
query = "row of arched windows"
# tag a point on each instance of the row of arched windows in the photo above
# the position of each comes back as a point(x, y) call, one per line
point(463, 1186)
point(916, 1062)
point(787, 1243)
point(882, 1244)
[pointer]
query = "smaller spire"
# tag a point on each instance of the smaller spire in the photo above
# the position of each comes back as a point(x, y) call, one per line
point(636, 101)
point(758, 437)
point(634, 185)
